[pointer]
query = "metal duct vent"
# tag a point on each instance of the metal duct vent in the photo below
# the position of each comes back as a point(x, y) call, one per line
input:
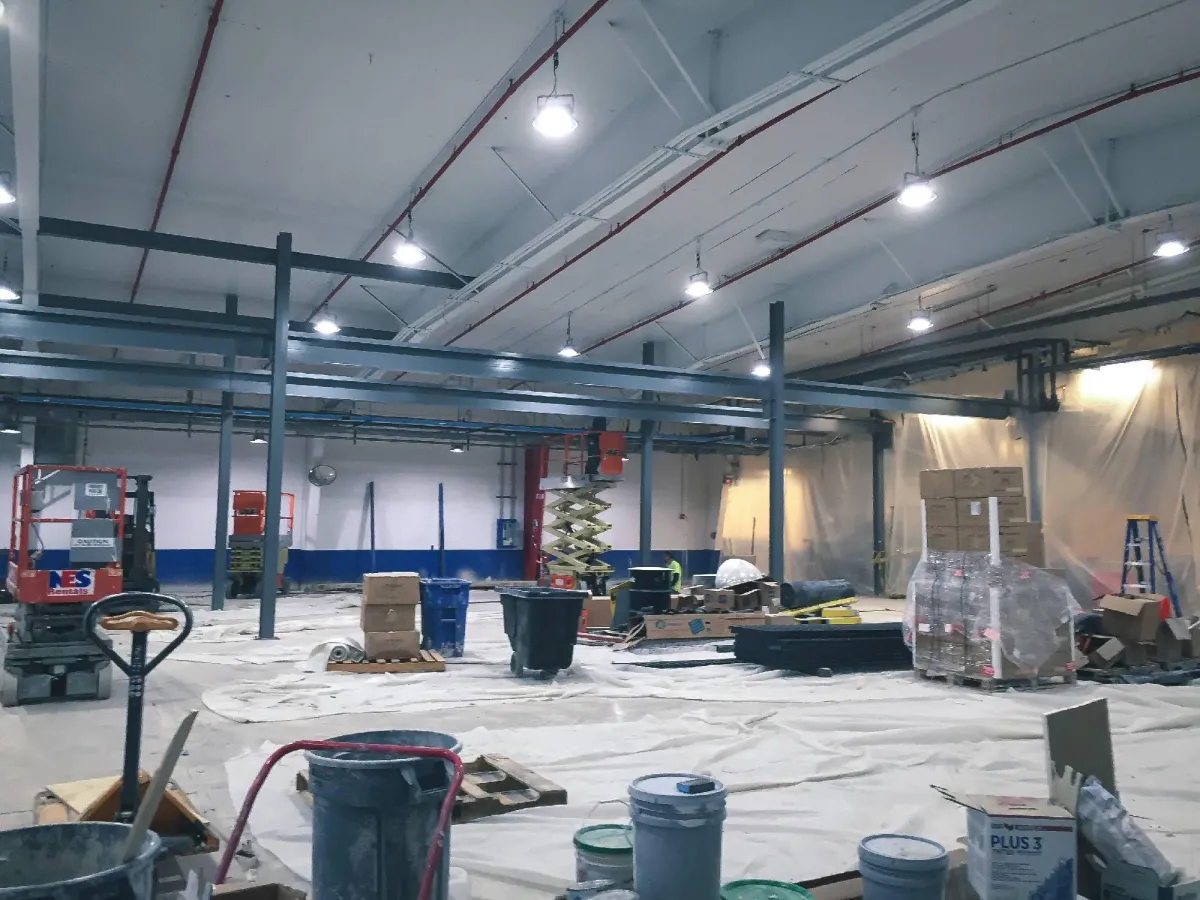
point(322, 475)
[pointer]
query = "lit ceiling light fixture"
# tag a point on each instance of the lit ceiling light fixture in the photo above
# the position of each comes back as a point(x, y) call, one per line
point(698, 284)
point(916, 192)
point(458, 448)
point(407, 253)
point(6, 192)
point(920, 321)
point(567, 350)
point(761, 370)
point(555, 112)
point(326, 325)
point(1170, 244)
point(259, 438)
point(7, 292)
point(10, 424)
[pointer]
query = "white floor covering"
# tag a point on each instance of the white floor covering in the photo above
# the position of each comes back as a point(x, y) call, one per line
point(812, 764)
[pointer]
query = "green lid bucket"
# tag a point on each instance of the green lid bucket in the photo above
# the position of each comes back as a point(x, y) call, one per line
point(605, 840)
point(761, 889)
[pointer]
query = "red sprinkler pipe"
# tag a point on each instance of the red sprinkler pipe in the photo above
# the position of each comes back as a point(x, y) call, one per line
point(1132, 94)
point(439, 832)
point(513, 87)
point(679, 185)
point(213, 18)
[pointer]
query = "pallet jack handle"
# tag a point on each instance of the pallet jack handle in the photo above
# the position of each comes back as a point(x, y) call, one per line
point(139, 621)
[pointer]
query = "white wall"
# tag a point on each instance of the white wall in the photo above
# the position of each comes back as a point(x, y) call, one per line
point(10, 461)
point(406, 478)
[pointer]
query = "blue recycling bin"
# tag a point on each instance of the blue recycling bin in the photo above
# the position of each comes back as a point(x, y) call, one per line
point(444, 614)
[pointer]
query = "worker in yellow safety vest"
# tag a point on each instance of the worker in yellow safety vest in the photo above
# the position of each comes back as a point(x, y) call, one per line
point(676, 570)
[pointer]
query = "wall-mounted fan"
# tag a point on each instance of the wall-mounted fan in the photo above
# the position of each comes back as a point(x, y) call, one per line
point(322, 475)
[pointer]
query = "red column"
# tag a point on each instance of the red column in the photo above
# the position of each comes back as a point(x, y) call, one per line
point(535, 506)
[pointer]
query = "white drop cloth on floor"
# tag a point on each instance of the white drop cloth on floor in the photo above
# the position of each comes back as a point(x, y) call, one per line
point(812, 765)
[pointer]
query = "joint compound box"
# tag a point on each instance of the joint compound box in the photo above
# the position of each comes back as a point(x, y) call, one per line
point(977, 511)
point(1007, 481)
point(392, 644)
point(719, 625)
point(1018, 848)
point(936, 483)
point(941, 513)
point(388, 617)
point(1132, 619)
point(938, 538)
point(392, 588)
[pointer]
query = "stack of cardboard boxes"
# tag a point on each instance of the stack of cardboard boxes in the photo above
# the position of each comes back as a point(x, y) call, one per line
point(965, 623)
point(958, 512)
point(1141, 631)
point(389, 615)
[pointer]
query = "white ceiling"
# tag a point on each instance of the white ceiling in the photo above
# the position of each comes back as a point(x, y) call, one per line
point(321, 119)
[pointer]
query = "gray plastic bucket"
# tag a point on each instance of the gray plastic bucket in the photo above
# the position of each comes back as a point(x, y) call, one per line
point(676, 837)
point(902, 867)
point(374, 817)
point(75, 861)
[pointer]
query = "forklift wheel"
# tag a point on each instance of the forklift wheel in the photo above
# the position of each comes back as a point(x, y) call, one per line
point(104, 682)
point(8, 688)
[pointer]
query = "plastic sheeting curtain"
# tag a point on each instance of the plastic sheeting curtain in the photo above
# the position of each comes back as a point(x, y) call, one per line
point(1124, 442)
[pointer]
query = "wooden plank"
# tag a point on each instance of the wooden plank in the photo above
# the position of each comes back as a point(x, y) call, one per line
point(429, 662)
point(542, 785)
point(1079, 737)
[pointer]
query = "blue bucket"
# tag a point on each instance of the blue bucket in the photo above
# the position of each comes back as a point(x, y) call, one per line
point(677, 823)
point(902, 867)
point(75, 861)
point(444, 614)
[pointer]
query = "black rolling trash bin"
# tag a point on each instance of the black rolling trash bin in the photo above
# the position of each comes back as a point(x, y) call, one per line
point(541, 624)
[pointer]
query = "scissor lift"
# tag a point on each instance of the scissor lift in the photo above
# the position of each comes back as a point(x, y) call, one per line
point(592, 462)
point(246, 542)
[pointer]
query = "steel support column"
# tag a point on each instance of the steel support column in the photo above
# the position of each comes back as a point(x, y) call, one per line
point(224, 463)
point(778, 426)
point(270, 569)
point(646, 495)
point(881, 441)
point(1031, 426)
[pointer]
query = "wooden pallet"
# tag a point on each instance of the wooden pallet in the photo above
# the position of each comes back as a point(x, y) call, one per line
point(998, 684)
point(427, 662)
point(492, 785)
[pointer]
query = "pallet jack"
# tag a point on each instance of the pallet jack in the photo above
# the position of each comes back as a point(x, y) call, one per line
point(246, 542)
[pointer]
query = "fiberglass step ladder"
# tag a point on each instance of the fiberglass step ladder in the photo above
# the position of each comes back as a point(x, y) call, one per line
point(1144, 558)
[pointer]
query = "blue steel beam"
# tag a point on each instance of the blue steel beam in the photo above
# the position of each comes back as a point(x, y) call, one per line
point(247, 253)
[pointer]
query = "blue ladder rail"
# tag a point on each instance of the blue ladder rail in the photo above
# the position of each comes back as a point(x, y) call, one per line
point(1147, 555)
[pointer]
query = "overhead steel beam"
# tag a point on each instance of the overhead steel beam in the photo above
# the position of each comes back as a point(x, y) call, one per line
point(99, 330)
point(955, 345)
point(855, 396)
point(61, 367)
point(247, 253)
point(485, 364)
point(775, 487)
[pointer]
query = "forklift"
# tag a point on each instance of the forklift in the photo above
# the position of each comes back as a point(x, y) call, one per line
point(246, 543)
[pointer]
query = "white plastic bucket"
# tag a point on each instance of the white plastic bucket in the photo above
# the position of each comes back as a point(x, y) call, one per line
point(604, 853)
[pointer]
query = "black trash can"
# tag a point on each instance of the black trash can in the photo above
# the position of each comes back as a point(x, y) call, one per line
point(541, 624)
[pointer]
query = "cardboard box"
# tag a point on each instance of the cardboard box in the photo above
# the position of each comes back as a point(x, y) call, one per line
point(1007, 481)
point(936, 483)
point(977, 511)
point(1107, 654)
point(769, 593)
point(1122, 881)
point(941, 538)
point(1018, 847)
point(1023, 542)
point(718, 625)
point(392, 644)
point(392, 588)
point(1173, 641)
point(975, 539)
point(782, 619)
point(597, 612)
point(388, 617)
point(1138, 653)
point(941, 513)
point(722, 598)
point(1131, 619)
